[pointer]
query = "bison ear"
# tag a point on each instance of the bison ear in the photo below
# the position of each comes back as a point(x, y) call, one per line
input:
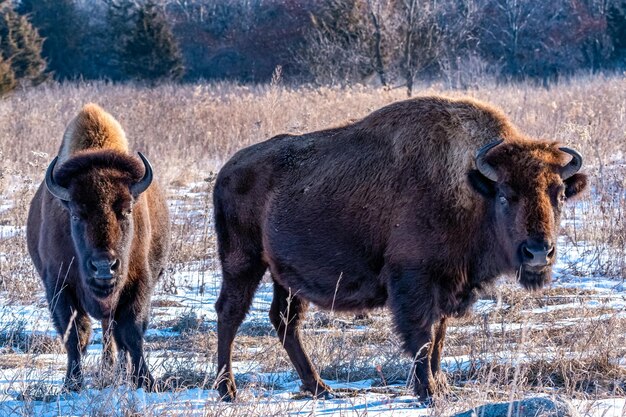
point(575, 185)
point(482, 184)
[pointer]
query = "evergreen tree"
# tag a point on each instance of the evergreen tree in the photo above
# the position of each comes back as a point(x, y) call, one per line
point(120, 21)
point(59, 22)
point(20, 50)
point(150, 52)
point(616, 22)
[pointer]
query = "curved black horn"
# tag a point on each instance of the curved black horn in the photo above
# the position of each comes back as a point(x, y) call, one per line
point(144, 183)
point(482, 165)
point(572, 166)
point(55, 189)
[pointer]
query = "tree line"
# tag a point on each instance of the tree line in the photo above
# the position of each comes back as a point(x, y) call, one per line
point(115, 40)
point(389, 42)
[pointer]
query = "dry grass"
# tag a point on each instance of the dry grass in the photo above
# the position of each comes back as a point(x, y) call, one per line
point(189, 131)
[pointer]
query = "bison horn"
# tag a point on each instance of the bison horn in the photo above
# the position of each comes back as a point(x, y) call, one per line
point(572, 166)
point(144, 183)
point(482, 165)
point(55, 189)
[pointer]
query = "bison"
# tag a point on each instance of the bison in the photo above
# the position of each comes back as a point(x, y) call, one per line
point(415, 207)
point(98, 234)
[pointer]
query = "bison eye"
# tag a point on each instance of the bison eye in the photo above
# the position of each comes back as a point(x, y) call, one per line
point(503, 200)
point(74, 217)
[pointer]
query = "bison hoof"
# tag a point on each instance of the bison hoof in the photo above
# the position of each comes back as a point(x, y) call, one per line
point(437, 387)
point(228, 397)
point(320, 390)
point(441, 383)
point(423, 392)
point(153, 386)
point(160, 385)
point(146, 382)
point(73, 384)
point(227, 391)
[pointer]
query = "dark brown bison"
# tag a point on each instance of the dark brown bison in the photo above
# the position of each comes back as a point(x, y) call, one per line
point(415, 207)
point(98, 234)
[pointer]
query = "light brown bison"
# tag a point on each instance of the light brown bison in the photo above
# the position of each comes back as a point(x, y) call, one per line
point(98, 234)
point(416, 207)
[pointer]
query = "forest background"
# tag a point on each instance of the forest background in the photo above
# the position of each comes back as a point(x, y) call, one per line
point(320, 42)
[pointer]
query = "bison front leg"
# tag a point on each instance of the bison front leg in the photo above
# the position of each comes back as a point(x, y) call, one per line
point(74, 327)
point(108, 345)
point(109, 368)
point(414, 311)
point(424, 385)
point(128, 332)
point(130, 337)
point(75, 337)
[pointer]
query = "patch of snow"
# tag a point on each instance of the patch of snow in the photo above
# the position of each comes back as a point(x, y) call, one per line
point(7, 231)
point(611, 407)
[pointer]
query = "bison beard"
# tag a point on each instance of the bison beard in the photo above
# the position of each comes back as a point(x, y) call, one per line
point(416, 207)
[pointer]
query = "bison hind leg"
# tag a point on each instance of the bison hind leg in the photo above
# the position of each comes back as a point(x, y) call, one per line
point(286, 315)
point(240, 282)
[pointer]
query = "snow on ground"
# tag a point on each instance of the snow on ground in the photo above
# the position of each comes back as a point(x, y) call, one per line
point(197, 402)
point(614, 407)
point(7, 231)
point(34, 319)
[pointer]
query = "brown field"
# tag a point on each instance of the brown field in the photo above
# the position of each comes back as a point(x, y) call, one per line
point(189, 131)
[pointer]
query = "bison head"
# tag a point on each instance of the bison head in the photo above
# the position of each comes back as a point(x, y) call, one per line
point(98, 190)
point(526, 184)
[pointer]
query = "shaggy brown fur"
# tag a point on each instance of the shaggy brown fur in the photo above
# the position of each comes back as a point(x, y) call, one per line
point(388, 211)
point(92, 128)
point(102, 222)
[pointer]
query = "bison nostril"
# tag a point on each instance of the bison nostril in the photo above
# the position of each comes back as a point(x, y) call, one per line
point(527, 253)
point(537, 253)
point(92, 265)
point(116, 265)
point(104, 267)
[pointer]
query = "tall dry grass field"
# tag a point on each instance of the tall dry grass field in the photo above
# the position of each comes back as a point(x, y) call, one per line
point(189, 131)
